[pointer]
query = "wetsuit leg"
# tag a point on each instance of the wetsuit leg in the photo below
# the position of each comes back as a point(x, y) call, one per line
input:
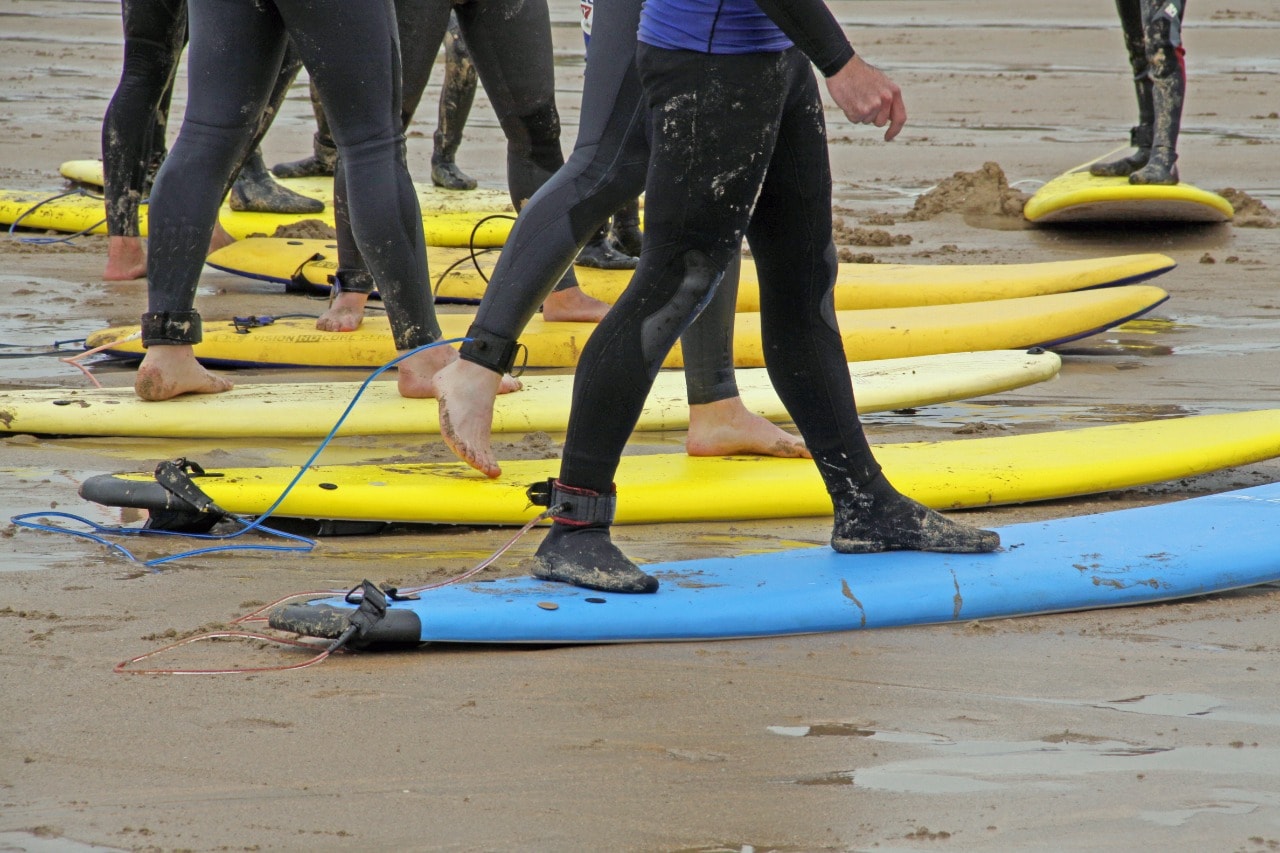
point(420, 25)
point(1167, 76)
point(456, 96)
point(791, 242)
point(133, 127)
point(510, 43)
point(790, 238)
point(324, 155)
point(253, 188)
point(235, 54)
point(382, 222)
point(1131, 23)
point(607, 167)
point(718, 116)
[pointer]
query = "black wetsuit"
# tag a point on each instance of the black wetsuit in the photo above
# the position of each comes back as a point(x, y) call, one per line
point(134, 125)
point(133, 128)
point(700, 199)
point(510, 45)
point(236, 51)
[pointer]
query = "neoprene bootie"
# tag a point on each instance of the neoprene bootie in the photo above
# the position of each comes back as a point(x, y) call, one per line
point(320, 164)
point(1167, 92)
point(626, 228)
point(445, 172)
point(577, 549)
point(601, 253)
point(255, 190)
point(1140, 139)
point(877, 517)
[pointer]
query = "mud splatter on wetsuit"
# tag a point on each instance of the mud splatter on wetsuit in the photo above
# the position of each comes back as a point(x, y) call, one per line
point(235, 53)
point(1153, 39)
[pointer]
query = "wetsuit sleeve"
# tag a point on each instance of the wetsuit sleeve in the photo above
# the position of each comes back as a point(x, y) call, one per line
point(813, 29)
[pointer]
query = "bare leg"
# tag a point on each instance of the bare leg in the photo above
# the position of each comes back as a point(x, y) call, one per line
point(726, 427)
point(126, 259)
point(572, 305)
point(220, 238)
point(170, 371)
point(127, 256)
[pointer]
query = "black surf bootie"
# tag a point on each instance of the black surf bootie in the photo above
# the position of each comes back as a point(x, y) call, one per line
point(1161, 169)
point(319, 165)
point(577, 549)
point(1140, 139)
point(602, 253)
point(446, 174)
point(626, 227)
point(877, 517)
point(255, 190)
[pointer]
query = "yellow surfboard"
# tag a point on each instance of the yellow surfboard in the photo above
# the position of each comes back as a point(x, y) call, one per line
point(310, 410)
point(459, 276)
point(83, 212)
point(674, 487)
point(430, 197)
point(1078, 196)
point(868, 335)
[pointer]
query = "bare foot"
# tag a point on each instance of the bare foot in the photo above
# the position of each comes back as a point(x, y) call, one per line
point(419, 375)
point(571, 305)
point(170, 371)
point(726, 427)
point(220, 239)
point(126, 259)
point(346, 313)
point(466, 392)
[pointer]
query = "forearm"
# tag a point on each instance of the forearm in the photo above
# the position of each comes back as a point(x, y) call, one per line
point(810, 24)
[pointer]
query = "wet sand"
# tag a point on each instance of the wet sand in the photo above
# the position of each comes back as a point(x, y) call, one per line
point(1153, 726)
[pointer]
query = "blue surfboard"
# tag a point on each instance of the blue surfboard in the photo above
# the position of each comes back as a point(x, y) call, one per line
point(1134, 556)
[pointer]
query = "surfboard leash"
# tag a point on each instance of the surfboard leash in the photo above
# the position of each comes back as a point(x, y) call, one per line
point(44, 241)
point(371, 603)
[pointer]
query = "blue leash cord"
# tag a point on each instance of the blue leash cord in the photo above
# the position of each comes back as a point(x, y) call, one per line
point(27, 519)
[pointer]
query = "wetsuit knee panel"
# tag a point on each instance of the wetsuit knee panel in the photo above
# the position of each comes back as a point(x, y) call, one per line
point(536, 130)
point(696, 276)
point(1164, 42)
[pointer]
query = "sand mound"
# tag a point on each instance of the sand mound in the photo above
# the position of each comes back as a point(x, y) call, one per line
point(1250, 213)
point(985, 192)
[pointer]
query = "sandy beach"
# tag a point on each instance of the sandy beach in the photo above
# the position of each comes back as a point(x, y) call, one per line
point(1153, 727)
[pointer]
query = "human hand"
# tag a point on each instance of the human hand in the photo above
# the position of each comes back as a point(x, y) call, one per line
point(868, 96)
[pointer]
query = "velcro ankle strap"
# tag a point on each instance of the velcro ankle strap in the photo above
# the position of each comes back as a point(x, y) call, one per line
point(171, 328)
point(1140, 136)
point(352, 281)
point(489, 350)
point(574, 506)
